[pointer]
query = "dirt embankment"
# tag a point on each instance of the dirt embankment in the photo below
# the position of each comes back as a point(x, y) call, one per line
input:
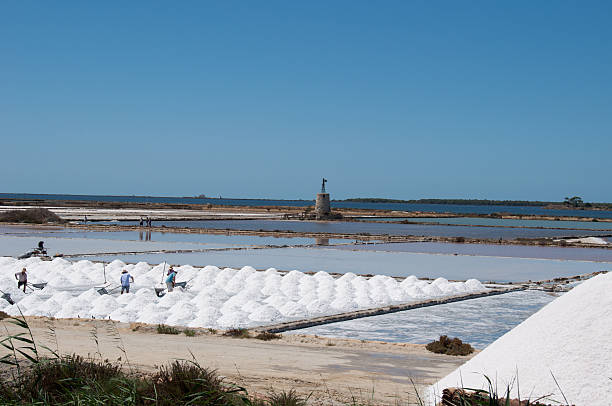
point(361, 237)
point(332, 370)
point(289, 210)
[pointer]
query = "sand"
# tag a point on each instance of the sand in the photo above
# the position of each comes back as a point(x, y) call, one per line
point(334, 370)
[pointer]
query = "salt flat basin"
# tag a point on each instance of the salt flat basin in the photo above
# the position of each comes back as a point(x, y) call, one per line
point(493, 250)
point(15, 246)
point(478, 322)
point(480, 221)
point(381, 263)
point(158, 236)
point(343, 227)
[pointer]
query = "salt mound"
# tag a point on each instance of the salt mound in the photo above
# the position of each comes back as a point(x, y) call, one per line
point(214, 298)
point(103, 306)
point(569, 337)
point(440, 282)
point(410, 279)
point(271, 271)
point(344, 304)
point(589, 240)
point(206, 317)
point(48, 308)
point(236, 319)
point(124, 315)
point(266, 314)
point(153, 314)
point(75, 307)
point(293, 310)
point(474, 284)
point(318, 308)
point(171, 298)
point(181, 314)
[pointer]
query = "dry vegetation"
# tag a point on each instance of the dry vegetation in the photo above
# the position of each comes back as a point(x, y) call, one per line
point(36, 215)
point(449, 346)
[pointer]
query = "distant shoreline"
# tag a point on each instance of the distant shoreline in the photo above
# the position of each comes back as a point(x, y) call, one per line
point(438, 201)
point(485, 202)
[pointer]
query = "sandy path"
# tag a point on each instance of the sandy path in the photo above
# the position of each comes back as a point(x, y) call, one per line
point(332, 370)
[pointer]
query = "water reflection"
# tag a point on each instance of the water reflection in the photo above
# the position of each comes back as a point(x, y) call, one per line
point(342, 227)
point(322, 241)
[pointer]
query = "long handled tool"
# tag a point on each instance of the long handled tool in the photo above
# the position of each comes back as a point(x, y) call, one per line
point(107, 290)
point(102, 290)
point(163, 274)
point(159, 291)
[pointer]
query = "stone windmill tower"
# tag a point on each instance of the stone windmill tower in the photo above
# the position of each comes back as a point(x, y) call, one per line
point(322, 205)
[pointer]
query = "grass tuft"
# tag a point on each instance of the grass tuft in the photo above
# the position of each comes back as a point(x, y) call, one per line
point(284, 398)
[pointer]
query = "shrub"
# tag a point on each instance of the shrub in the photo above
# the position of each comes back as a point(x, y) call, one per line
point(36, 215)
point(189, 333)
point(265, 336)
point(163, 329)
point(237, 333)
point(449, 346)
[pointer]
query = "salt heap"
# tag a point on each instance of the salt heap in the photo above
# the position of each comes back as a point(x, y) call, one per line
point(568, 338)
point(214, 298)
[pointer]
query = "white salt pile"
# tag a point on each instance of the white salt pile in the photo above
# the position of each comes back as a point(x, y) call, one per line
point(568, 338)
point(588, 240)
point(214, 298)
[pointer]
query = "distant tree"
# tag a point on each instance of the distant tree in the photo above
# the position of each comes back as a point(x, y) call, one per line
point(575, 201)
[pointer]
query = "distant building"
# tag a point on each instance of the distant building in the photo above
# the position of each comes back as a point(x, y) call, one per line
point(322, 205)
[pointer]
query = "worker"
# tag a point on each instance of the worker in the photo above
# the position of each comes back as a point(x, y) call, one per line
point(126, 278)
point(22, 279)
point(170, 270)
point(171, 280)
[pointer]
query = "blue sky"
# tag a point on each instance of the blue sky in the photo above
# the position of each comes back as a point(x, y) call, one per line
point(400, 99)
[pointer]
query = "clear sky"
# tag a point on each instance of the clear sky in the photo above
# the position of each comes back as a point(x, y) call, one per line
point(397, 99)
